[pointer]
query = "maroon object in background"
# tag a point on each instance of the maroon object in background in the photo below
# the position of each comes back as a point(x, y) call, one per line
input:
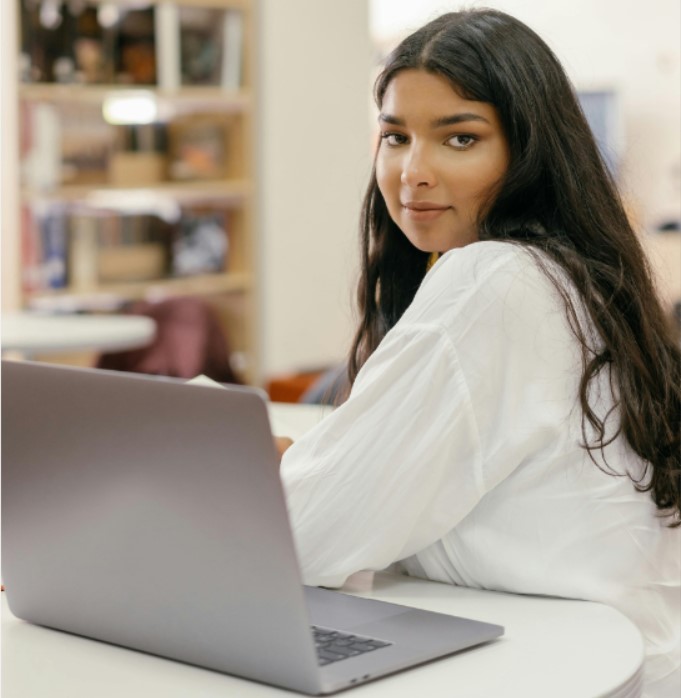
point(189, 341)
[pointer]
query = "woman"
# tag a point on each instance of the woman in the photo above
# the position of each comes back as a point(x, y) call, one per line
point(514, 417)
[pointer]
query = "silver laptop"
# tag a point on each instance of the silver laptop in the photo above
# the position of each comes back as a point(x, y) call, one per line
point(150, 514)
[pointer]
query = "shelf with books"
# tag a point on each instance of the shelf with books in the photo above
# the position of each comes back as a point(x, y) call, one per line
point(136, 158)
point(74, 248)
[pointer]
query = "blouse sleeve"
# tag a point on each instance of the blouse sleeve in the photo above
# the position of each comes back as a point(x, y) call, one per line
point(400, 463)
point(391, 470)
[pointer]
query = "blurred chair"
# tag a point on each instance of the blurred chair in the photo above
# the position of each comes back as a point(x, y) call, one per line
point(189, 341)
point(324, 386)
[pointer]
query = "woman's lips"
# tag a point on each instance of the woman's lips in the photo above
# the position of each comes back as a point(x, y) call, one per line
point(423, 210)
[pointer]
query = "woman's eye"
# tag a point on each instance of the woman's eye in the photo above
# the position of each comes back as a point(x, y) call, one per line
point(393, 138)
point(462, 142)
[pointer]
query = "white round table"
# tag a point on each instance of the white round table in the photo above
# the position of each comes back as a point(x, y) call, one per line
point(33, 333)
point(552, 647)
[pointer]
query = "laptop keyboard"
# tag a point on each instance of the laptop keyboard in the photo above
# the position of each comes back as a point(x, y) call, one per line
point(334, 646)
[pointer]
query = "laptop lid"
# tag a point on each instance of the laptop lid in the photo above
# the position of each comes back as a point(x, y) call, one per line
point(128, 516)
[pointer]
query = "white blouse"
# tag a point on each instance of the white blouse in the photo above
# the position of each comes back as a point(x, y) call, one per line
point(458, 453)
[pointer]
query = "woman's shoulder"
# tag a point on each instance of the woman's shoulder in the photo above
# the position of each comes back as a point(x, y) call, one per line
point(489, 269)
point(485, 257)
point(471, 281)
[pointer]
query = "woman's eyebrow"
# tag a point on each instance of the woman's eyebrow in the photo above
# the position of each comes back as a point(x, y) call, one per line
point(438, 123)
point(390, 119)
point(457, 119)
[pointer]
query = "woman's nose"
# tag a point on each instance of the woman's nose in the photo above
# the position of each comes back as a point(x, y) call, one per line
point(416, 170)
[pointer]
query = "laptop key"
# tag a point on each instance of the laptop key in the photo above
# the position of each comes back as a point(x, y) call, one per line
point(343, 643)
point(343, 651)
point(363, 647)
point(334, 646)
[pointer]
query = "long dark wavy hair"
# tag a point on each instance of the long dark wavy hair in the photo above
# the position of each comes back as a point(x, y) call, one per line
point(557, 198)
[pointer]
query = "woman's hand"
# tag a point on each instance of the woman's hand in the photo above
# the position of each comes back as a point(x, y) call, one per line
point(282, 443)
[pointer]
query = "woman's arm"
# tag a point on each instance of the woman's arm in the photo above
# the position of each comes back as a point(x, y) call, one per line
point(282, 444)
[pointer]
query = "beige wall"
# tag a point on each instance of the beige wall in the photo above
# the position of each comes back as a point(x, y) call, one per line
point(313, 139)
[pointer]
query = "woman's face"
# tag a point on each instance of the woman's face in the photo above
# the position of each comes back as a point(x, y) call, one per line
point(440, 156)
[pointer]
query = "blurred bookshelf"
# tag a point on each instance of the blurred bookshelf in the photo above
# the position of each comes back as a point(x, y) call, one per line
point(136, 157)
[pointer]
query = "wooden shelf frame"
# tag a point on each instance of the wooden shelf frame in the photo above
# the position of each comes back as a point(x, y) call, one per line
point(228, 192)
point(201, 284)
point(184, 100)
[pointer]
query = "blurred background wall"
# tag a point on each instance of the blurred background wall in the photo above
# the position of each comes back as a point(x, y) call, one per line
point(314, 160)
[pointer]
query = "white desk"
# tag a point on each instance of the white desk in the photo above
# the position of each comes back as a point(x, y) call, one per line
point(293, 420)
point(552, 647)
point(31, 333)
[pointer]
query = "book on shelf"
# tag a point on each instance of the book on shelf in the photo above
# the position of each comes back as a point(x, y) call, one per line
point(53, 230)
point(44, 248)
point(200, 244)
point(82, 253)
point(199, 46)
point(31, 253)
point(41, 138)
